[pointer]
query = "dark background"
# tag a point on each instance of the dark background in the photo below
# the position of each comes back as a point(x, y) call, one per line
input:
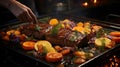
point(73, 7)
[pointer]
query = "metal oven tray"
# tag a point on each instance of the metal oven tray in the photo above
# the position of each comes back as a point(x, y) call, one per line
point(92, 62)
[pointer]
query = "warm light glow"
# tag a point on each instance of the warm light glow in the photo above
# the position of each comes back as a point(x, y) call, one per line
point(95, 1)
point(85, 4)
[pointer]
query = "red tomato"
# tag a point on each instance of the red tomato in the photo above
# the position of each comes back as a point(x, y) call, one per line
point(53, 57)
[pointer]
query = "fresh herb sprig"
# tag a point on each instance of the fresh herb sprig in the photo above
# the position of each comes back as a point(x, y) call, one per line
point(100, 33)
point(56, 28)
point(38, 28)
point(102, 47)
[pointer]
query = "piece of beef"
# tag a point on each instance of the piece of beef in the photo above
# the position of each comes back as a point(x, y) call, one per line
point(35, 30)
point(64, 37)
point(67, 37)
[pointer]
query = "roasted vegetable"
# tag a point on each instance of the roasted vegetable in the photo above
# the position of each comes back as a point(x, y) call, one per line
point(115, 33)
point(28, 45)
point(53, 57)
point(116, 39)
point(58, 48)
point(65, 51)
point(80, 24)
point(53, 22)
point(79, 60)
point(80, 54)
point(6, 37)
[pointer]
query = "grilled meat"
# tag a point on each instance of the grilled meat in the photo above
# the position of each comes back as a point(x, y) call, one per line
point(37, 31)
point(66, 37)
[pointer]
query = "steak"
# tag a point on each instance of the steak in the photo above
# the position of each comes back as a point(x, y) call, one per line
point(66, 37)
point(37, 31)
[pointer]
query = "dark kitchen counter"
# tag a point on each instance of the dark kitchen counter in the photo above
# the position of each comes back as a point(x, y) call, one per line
point(14, 56)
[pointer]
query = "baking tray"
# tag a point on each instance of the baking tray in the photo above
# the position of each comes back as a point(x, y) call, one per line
point(92, 62)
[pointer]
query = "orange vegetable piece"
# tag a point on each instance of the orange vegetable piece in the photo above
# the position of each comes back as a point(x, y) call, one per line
point(22, 37)
point(53, 22)
point(116, 39)
point(87, 24)
point(80, 24)
point(58, 48)
point(53, 57)
point(28, 45)
point(79, 29)
point(6, 37)
point(10, 31)
point(66, 51)
point(96, 28)
point(66, 21)
point(79, 60)
point(17, 32)
point(79, 53)
point(115, 33)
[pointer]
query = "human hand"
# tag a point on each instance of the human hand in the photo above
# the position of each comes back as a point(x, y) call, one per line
point(22, 12)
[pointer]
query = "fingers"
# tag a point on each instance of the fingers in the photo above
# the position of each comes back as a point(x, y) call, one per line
point(25, 14)
point(31, 15)
point(34, 18)
point(25, 17)
point(28, 16)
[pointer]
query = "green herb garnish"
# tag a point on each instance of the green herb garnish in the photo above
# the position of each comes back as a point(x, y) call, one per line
point(75, 36)
point(103, 45)
point(44, 20)
point(55, 29)
point(45, 51)
point(72, 38)
point(100, 33)
point(38, 28)
point(30, 38)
